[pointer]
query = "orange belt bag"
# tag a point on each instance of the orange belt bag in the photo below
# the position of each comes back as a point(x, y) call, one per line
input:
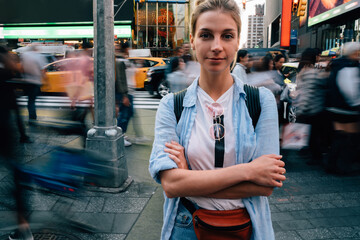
point(220, 225)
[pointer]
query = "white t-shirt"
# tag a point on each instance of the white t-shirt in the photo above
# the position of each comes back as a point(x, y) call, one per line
point(201, 150)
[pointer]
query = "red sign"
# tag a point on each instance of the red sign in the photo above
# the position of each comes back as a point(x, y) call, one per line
point(285, 23)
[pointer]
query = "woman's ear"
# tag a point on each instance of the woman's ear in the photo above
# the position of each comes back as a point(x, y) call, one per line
point(192, 42)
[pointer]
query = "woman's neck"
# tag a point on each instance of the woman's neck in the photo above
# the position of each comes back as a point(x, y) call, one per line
point(215, 85)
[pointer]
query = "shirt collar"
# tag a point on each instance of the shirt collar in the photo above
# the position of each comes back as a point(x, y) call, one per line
point(191, 94)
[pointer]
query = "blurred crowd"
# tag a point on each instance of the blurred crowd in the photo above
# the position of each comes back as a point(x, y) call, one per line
point(326, 98)
point(321, 92)
point(24, 74)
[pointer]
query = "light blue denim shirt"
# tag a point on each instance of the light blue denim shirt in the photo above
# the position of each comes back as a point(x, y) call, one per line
point(250, 144)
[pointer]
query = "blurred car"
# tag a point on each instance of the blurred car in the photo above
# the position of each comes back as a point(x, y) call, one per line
point(156, 81)
point(157, 84)
point(257, 53)
point(61, 73)
point(142, 65)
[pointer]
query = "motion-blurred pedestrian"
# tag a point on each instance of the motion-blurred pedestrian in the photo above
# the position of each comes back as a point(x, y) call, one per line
point(241, 65)
point(33, 63)
point(187, 52)
point(310, 104)
point(343, 104)
point(263, 76)
point(8, 144)
point(124, 89)
point(179, 52)
point(177, 79)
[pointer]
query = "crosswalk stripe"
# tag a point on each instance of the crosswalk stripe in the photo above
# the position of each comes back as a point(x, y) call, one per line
point(142, 100)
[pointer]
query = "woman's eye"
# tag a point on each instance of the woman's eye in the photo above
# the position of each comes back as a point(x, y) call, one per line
point(228, 36)
point(205, 35)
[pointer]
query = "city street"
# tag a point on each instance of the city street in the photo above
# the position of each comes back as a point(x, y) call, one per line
point(310, 205)
point(78, 113)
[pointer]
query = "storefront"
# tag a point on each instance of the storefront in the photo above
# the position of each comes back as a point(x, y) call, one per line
point(335, 23)
point(66, 21)
point(338, 35)
point(161, 25)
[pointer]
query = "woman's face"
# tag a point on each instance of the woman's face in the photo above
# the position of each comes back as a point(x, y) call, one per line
point(216, 40)
point(279, 64)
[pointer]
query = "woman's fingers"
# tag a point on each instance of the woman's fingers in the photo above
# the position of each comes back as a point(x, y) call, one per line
point(278, 157)
point(280, 177)
point(277, 183)
point(281, 163)
point(175, 159)
point(171, 151)
point(174, 145)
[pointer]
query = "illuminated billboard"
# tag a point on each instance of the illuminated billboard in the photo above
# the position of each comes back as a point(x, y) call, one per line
point(322, 10)
point(64, 32)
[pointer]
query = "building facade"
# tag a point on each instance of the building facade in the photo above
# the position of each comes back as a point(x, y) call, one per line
point(256, 27)
point(314, 24)
point(161, 25)
point(331, 26)
point(271, 36)
point(66, 21)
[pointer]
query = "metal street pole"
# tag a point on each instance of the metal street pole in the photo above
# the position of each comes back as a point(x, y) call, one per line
point(105, 137)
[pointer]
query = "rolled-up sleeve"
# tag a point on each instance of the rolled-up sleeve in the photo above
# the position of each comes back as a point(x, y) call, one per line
point(267, 128)
point(165, 131)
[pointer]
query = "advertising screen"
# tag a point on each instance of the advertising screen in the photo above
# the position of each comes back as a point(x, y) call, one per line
point(64, 11)
point(322, 10)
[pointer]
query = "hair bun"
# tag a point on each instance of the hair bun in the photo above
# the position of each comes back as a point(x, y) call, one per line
point(198, 2)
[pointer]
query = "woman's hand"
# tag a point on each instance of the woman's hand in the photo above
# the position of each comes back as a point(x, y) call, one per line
point(268, 170)
point(177, 154)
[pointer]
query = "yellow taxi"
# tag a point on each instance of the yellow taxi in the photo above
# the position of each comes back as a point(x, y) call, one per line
point(60, 74)
point(142, 65)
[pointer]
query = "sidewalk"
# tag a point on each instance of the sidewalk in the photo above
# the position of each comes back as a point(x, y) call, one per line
point(310, 205)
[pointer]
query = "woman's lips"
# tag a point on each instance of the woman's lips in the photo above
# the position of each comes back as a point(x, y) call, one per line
point(216, 60)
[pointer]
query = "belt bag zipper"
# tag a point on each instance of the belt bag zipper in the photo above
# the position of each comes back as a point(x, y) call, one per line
point(198, 221)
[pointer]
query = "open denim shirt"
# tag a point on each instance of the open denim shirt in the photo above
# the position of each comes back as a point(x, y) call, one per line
point(250, 145)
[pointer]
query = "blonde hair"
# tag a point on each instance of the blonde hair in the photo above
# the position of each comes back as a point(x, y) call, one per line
point(229, 6)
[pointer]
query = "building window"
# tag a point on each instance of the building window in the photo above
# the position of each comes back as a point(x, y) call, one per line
point(161, 25)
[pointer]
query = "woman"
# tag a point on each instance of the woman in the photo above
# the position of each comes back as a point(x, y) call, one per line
point(183, 153)
point(278, 75)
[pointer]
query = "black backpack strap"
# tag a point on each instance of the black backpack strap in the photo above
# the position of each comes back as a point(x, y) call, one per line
point(178, 103)
point(253, 103)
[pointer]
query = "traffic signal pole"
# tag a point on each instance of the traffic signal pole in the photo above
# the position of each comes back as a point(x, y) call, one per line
point(105, 137)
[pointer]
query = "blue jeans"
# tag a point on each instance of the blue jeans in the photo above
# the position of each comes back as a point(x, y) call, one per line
point(32, 91)
point(125, 113)
point(183, 227)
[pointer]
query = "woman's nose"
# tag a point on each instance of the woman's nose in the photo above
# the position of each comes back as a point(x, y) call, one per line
point(217, 45)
